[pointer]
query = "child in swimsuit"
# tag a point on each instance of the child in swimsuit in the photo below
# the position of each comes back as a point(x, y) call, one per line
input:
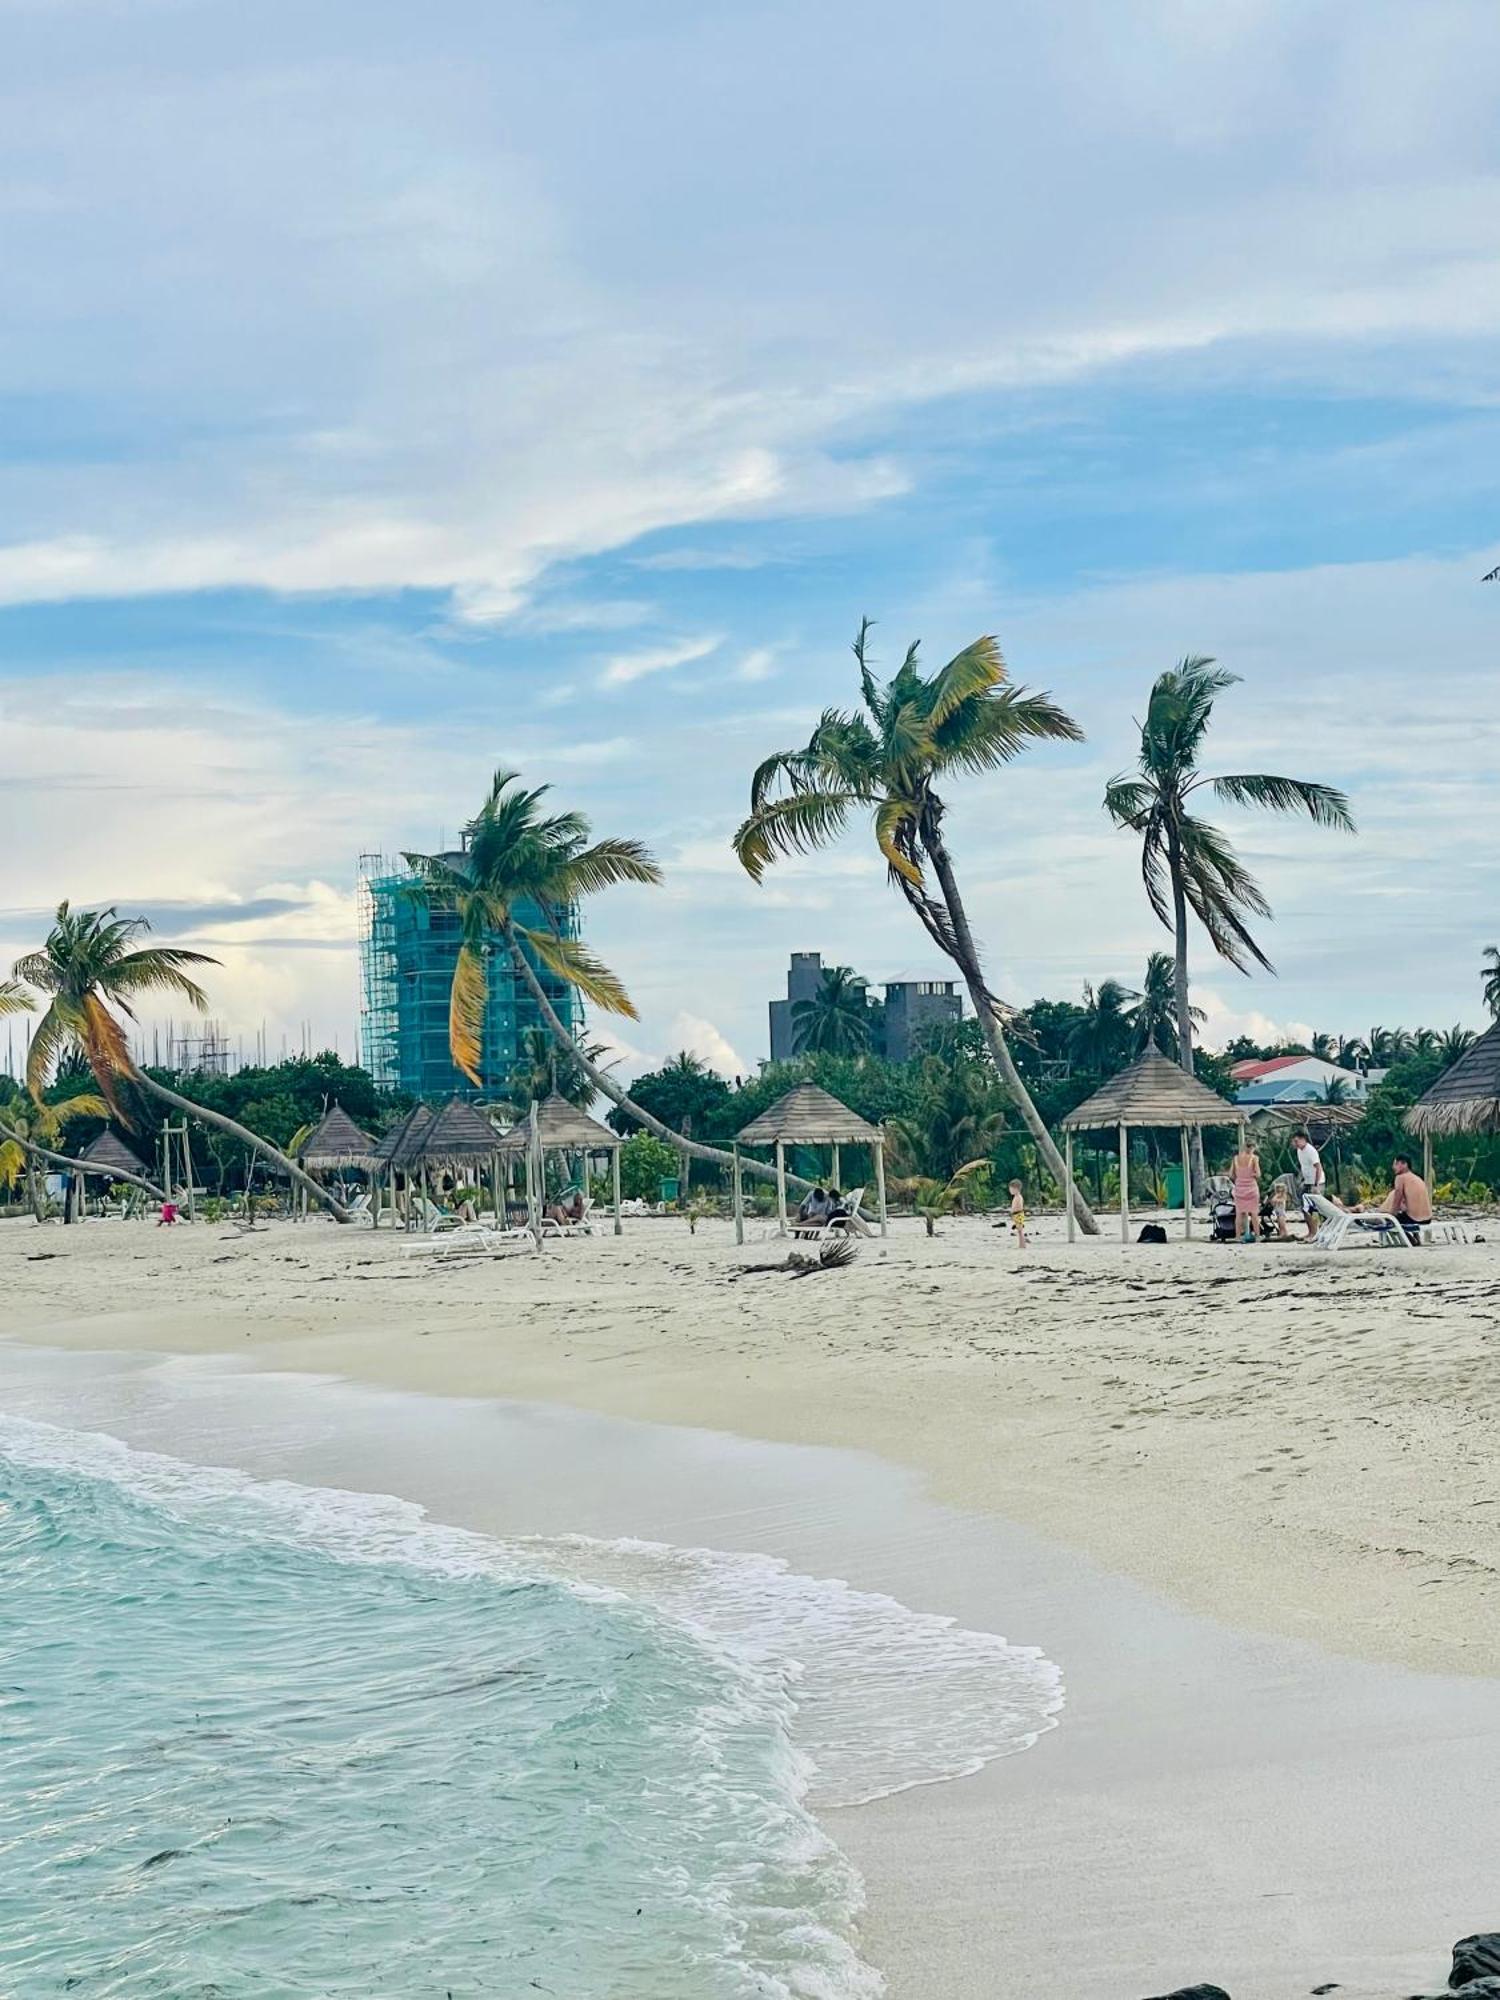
point(1018, 1213)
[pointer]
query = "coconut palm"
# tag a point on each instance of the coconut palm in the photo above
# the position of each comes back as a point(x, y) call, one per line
point(1489, 973)
point(1455, 1042)
point(93, 966)
point(1153, 1018)
point(914, 732)
point(35, 1133)
point(1322, 1046)
point(837, 1021)
point(1100, 1038)
point(1189, 866)
point(1424, 1041)
point(1349, 1051)
point(519, 871)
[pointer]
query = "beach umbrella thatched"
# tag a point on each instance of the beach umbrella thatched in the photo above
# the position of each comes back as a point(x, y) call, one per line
point(109, 1155)
point(1465, 1098)
point(455, 1136)
point(1152, 1092)
point(563, 1128)
point(336, 1141)
point(808, 1115)
point(401, 1144)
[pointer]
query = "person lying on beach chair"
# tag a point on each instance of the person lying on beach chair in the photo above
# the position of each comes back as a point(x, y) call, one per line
point(1410, 1199)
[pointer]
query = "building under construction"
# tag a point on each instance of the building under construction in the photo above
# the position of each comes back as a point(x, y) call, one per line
point(408, 952)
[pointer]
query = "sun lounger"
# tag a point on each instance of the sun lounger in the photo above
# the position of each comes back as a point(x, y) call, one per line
point(1374, 1229)
point(848, 1223)
point(470, 1239)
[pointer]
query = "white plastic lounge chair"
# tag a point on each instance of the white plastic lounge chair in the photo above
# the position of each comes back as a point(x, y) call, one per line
point(851, 1223)
point(1345, 1229)
point(470, 1239)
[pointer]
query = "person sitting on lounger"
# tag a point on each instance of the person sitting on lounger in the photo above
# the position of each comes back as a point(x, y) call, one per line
point(567, 1213)
point(1410, 1199)
point(816, 1207)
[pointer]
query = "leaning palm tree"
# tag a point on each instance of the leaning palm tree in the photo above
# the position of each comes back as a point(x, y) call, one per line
point(837, 1020)
point(93, 966)
point(518, 873)
point(915, 732)
point(1188, 865)
point(34, 1135)
point(1489, 974)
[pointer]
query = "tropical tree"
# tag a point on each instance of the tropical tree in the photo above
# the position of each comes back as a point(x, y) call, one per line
point(1100, 1040)
point(520, 870)
point(1153, 1018)
point(837, 1021)
point(890, 759)
point(1489, 974)
point(959, 1116)
point(1188, 865)
point(1455, 1042)
point(37, 1133)
point(1322, 1046)
point(1349, 1051)
point(93, 966)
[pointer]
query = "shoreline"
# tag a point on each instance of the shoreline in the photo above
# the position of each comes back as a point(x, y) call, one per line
point(1303, 1446)
point(1210, 1804)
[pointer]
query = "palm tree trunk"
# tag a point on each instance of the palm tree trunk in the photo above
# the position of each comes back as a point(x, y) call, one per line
point(32, 1149)
point(994, 1038)
point(603, 1081)
point(246, 1138)
point(1184, 1005)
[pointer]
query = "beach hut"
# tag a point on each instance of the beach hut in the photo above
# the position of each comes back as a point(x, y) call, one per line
point(1465, 1098)
point(560, 1127)
point(1152, 1092)
point(455, 1140)
point(807, 1116)
point(113, 1159)
point(391, 1154)
point(335, 1145)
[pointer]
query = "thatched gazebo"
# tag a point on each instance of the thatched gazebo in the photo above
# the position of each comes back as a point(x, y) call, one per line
point(455, 1140)
point(1152, 1092)
point(334, 1145)
point(388, 1154)
point(111, 1157)
point(560, 1127)
point(1465, 1098)
point(807, 1116)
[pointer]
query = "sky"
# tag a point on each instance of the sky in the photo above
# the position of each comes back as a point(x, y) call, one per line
point(389, 395)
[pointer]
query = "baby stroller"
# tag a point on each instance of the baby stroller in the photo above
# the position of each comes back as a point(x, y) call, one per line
point(1221, 1211)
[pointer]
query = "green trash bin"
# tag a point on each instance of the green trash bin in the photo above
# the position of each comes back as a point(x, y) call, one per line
point(669, 1187)
point(1173, 1178)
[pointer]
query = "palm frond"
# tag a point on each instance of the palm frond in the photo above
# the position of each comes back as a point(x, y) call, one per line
point(798, 824)
point(466, 1007)
point(603, 865)
point(1323, 804)
point(892, 817)
point(994, 729)
point(59, 1028)
point(1128, 801)
point(14, 999)
point(571, 960)
point(974, 671)
point(160, 970)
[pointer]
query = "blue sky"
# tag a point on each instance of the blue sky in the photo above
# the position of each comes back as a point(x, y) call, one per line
point(388, 394)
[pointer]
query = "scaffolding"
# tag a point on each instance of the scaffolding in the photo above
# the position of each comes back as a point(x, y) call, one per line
point(379, 1013)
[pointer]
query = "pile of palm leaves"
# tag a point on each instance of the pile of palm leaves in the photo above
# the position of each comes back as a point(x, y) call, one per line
point(837, 1254)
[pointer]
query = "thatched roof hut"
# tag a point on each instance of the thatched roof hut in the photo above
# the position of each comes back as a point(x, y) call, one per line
point(562, 1128)
point(336, 1141)
point(395, 1148)
point(455, 1136)
point(109, 1155)
point(1153, 1092)
point(1465, 1098)
point(808, 1115)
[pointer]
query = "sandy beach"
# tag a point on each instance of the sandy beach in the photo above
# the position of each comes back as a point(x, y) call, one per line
point(1245, 1498)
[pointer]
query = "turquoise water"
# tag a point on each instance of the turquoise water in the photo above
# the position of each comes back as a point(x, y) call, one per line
point(265, 1741)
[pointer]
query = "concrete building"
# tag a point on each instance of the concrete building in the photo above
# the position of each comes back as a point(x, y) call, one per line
point(1288, 1080)
point(407, 955)
point(912, 1008)
point(804, 977)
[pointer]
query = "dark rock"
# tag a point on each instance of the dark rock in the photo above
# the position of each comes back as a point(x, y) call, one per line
point(1475, 1958)
point(1194, 1993)
point(1475, 1989)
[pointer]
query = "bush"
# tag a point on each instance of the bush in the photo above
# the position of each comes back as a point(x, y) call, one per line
point(645, 1162)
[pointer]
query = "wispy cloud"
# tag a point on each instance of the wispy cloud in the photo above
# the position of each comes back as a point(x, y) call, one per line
point(624, 668)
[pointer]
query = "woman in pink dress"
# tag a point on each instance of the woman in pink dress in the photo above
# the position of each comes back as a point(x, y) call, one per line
point(1246, 1172)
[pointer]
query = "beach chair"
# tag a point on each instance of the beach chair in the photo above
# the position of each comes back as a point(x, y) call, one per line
point(853, 1223)
point(469, 1239)
point(1349, 1229)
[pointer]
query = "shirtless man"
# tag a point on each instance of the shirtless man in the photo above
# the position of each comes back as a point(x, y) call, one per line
point(1410, 1199)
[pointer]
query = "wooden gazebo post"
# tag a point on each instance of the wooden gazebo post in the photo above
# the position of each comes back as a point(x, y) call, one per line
point(1124, 1182)
point(739, 1198)
point(1068, 1191)
point(780, 1187)
point(1187, 1185)
point(836, 1170)
point(614, 1166)
point(880, 1179)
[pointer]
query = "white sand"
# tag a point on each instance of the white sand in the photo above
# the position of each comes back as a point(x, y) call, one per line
point(1300, 1444)
point(1288, 1444)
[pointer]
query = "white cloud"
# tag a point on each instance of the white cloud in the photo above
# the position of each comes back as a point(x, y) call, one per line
point(757, 665)
point(702, 1038)
point(623, 668)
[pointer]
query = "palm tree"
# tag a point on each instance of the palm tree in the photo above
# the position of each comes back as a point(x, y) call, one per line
point(516, 858)
point(1322, 1046)
point(1424, 1041)
point(1188, 865)
point(1349, 1051)
point(36, 1132)
point(959, 1116)
point(92, 967)
point(837, 1020)
point(1100, 1039)
point(1380, 1042)
point(914, 732)
point(545, 1067)
point(1489, 973)
point(1153, 1018)
point(1455, 1042)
